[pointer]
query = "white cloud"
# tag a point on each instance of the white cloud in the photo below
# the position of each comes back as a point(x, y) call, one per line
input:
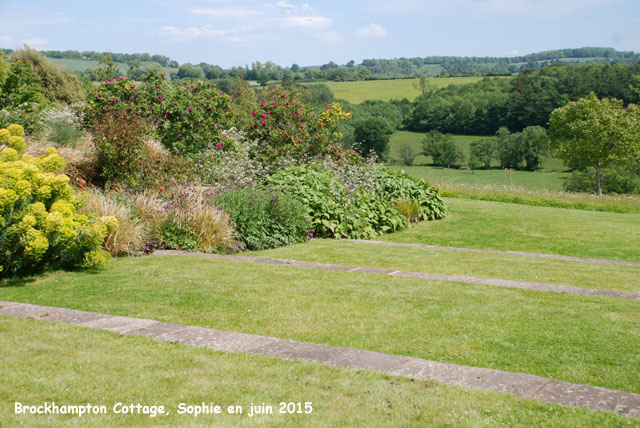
point(372, 31)
point(285, 5)
point(226, 11)
point(36, 42)
point(189, 33)
point(309, 22)
point(481, 8)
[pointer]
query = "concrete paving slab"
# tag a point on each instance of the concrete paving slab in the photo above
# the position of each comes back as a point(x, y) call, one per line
point(122, 325)
point(591, 397)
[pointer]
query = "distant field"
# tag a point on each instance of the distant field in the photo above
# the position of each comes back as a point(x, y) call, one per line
point(496, 177)
point(85, 64)
point(357, 92)
point(550, 178)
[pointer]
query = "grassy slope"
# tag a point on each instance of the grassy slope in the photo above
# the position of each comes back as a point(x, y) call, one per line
point(550, 178)
point(577, 274)
point(573, 338)
point(71, 365)
point(502, 226)
point(357, 92)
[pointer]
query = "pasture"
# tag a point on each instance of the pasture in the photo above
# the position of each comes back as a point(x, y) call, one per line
point(385, 90)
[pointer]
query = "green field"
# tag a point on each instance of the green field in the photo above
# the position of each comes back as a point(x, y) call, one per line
point(385, 90)
point(86, 64)
point(551, 177)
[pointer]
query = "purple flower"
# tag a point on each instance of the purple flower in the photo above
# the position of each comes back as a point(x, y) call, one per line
point(190, 108)
point(121, 78)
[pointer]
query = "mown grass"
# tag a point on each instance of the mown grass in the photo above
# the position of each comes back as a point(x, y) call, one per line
point(504, 226)
point(519, 268)
point(385, 90)
point(580, 339)
point(546, 198)
point(72, 365)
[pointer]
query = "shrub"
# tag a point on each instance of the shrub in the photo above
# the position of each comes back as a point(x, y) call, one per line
point(125, 239)
point(407, 154)
point(287, 128)
point(144, 99)
point(372, 134)
point(39, 224)
point(482, 152)
point(613, 180)
point(22, 99)
point(442, 149)
point(63, 134)
point(193, 223)
point(336, 212)
point(119, 139)
point(265, 218)
point(395, 186)
point(194, 118)
point(60, 86)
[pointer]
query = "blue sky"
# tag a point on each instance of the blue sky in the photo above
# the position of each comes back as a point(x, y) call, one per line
point(313, 32)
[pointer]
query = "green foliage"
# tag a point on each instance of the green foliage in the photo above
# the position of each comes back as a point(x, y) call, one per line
point(336, 212)
point(121, 94)
point(613, 180)
point(286, 128)
point(194, 117)
point(483, 152)
point(38, 220)
point(372, 135)
point(407, 154)
point(64, 134)
point(189, 71)
point(522, 149)
point(22, 98)
point(265, 218)
point(60, 86)
point(596, 133)
point(442, 149)
point(119, 140)
point(191, 222)
point(178, 236)
point(397, 186)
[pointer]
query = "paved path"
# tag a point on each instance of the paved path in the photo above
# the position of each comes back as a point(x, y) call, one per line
point(519, 384)
point(510, 253)
point(539, 286)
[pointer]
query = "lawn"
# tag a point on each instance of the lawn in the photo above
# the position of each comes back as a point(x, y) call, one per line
point(72, 365)
point(578, 274)
point(503, 226)
point(573, 338)
point(385, 90)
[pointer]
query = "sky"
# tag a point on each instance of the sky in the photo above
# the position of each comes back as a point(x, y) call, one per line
point(314, 32)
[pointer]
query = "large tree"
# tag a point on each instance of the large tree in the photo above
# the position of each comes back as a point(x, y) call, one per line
point(373, 135)
point(596, 133)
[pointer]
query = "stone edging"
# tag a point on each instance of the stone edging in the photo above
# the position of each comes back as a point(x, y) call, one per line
point(508, 253)
point(539, 286)
point(518, 384)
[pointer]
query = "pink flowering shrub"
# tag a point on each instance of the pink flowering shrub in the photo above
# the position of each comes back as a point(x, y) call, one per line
point(193, 119)
point(285, 127)
point(144, 99)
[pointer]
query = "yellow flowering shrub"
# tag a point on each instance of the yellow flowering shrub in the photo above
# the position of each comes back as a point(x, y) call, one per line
point(38, 220)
